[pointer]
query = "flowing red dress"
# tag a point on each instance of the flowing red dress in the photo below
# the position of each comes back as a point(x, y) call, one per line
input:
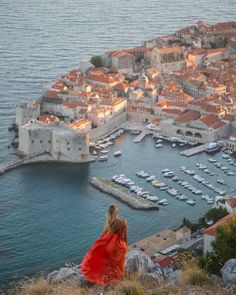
point(105, 261)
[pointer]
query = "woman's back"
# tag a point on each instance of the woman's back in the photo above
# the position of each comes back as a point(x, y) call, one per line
point(119, 225)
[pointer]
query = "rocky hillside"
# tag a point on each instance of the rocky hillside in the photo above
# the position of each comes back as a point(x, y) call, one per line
point(142, 277)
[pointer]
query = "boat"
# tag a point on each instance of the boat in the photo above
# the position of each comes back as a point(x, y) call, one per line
point(169, 174)
point(191, 202)
point(213, 147)
point(95, 153)
point(183, 198)
point(159, 145)
point(117, 153)
point(103, 158)
point(150, 178)
point(173, 145)
point(163, 188)
point(165, 170)
point(152, 198)
point(212, 160)
point(104, 151)
point(162, 202)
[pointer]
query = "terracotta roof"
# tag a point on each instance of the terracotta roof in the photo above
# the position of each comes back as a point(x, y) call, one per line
point(52, 94)
point(209, 119)
point(166, 103)
point(48, 118)
point(211, 231)
point(71, 104)
point(218, 125)
point(187, 117)
point(228, 117)
point(164, 261)
point(232, 202)
point(169, 50)
point(172, 111)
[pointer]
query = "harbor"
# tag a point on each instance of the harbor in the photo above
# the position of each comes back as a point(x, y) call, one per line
point(57, 189)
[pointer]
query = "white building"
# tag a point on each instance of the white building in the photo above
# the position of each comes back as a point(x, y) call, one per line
point(26, 112)
point(183, 234)
point(61, 141)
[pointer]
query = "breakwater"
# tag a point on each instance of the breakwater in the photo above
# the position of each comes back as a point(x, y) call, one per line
point(123, 194)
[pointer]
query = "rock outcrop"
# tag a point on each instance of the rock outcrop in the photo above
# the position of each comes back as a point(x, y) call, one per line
point(66, 273)
point(139, 263)
point(228, 271)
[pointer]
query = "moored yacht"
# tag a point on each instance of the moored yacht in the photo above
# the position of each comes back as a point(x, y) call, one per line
point(117, 153)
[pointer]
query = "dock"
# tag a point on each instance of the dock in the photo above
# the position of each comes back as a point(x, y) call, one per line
point(122, 194)
point(141, 136)
point(194, 151)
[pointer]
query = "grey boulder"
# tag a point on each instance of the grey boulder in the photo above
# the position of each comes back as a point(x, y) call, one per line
point(139, 263)
point(66, 273)
point(228, 271)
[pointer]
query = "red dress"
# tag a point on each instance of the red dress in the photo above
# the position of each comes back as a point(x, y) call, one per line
point(105, 261)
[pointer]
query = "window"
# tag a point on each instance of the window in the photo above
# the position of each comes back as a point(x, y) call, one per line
point(49, 141)
point(32, 141)
point(80, 149)
point(68, 142)
point(41, 141)
point(68, 149)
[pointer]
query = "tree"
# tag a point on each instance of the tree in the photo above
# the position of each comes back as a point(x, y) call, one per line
point(224, 246)
point(96, 60)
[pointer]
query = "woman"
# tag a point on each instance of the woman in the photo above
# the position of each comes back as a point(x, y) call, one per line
point(105, 262)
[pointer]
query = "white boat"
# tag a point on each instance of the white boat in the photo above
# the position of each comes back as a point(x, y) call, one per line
point(165, 170)
point(191, 202)
point(104, 151)
point(169, 174)
point(95, 153)
point(117, 153)
point(173, 145)
point(151, 178)
point(162, 202)
point(103, 158)
point(159, 145)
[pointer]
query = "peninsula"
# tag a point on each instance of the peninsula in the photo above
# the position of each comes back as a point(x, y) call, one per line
point(184, 84)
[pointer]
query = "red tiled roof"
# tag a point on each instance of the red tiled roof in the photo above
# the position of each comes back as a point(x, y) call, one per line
point(48, 118)
point(218, 125)
point(211, 231)
point(232, 202)
point(188, 116)
point(209, 120)
point(164, 261)
point(166, 103)
point(172, 111)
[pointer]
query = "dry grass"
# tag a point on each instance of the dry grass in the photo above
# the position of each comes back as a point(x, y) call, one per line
point(192, 274)
point(192, 280)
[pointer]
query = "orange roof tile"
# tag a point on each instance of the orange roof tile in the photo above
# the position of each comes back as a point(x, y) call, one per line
point(164, 261)
point(188, 117)
point(209, 119)
point(211, 231)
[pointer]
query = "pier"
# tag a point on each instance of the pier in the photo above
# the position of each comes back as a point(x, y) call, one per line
point(141, 136)
point(194, 151)
point(123, 194)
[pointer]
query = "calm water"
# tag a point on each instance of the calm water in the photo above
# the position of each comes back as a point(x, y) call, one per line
point(50, 214)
